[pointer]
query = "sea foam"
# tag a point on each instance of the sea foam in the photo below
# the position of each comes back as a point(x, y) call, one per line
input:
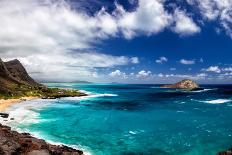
point(27, 113)
point(89, 96)
point(217, 101)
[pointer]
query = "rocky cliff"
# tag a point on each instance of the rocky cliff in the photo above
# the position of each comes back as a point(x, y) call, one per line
point(14, 143)
point(12, 75)
point(15, 82)
point(184, 84)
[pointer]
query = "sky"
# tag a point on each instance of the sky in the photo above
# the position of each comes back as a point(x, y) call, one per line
point(124, 41)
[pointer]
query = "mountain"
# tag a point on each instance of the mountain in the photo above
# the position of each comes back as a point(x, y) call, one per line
point(16, 82)
point(17, 70)
point(12, 76)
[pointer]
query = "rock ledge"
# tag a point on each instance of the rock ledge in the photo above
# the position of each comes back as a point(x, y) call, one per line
point(12, 142)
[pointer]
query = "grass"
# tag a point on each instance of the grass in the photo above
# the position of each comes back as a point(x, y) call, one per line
point(18, 91)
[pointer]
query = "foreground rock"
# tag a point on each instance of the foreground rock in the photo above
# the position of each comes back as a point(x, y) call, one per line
point(4, 115)
point(184, 84)
point(228, 152)
point(14, 143)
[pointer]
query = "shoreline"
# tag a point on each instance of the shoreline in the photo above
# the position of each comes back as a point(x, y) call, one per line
point(62, 148)
point(6, 103)
point(25, 143)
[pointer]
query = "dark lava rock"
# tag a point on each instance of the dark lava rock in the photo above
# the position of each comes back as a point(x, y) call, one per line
point(4, 115)
point(14, 143)
point(184, 84)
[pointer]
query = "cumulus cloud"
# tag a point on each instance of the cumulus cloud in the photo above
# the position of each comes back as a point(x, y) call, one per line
point(184, 24)
point(187, 62)
point(117, 73)
point(143, 74)
point(161, 60)
point(198, 76)
point(215, 69)
point(134, 60)
point(216, 10)
point(228, 69)
point(150, 17)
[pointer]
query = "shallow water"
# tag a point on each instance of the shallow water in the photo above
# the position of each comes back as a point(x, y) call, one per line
point(132, 119)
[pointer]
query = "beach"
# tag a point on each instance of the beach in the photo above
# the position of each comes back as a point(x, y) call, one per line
point(5, 103)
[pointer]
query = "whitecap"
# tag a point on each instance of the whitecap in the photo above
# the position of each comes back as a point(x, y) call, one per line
point(133, 132)
point(27, 113)
point(89, 97)
point(204, 90)
point(217, 101)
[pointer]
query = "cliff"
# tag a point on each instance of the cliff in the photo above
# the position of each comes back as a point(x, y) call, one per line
point(184, 84)
point(12, 142)
point(15, 82)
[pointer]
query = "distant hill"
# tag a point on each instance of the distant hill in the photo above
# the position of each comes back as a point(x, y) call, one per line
point(16, 82)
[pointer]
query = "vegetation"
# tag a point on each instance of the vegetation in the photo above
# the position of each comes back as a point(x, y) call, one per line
point(16, 83)
point(38, 91)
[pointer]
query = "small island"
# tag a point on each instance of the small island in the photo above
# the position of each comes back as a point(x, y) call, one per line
point(15, 86)
point(186, 84)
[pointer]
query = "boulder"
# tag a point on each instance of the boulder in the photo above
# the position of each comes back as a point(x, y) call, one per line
point(12, 142)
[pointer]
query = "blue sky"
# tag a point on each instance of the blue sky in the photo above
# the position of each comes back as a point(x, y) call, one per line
point(126, 41)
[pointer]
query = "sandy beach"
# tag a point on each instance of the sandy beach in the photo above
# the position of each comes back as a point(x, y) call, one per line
point(6, 103)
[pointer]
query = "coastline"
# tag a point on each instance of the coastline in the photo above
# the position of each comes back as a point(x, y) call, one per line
point(34, 144)
point(5, 103)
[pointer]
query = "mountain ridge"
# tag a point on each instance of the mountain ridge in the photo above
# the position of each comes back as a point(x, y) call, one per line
point(15, 82)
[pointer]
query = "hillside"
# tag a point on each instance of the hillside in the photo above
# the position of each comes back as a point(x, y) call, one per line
point(15, 82)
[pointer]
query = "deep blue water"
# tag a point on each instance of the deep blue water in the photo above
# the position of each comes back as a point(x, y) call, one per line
point(133, 119)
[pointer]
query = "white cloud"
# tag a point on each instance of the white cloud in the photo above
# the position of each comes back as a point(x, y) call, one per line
point(135, 60)
point(215, 69)
point(143, 74)
point(161, 60)
point(184, 25)
point(160, 75)
point(56, 37)
point(228, 69)
point(150, 17)
point(199, 76)
point(116, 73)
point(187, 62)
point(216, 10)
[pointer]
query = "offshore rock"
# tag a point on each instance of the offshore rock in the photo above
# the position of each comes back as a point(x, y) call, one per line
point(184, 84)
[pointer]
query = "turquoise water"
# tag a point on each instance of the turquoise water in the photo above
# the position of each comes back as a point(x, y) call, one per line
point(132, 119)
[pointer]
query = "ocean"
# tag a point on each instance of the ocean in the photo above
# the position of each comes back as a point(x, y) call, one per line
point(126, 119)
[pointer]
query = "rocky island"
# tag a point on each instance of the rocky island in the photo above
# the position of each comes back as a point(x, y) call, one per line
point(186, 84)
point(16, 85)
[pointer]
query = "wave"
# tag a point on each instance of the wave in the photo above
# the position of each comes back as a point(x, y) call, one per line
point(47, 139)
point(90, 95)
point(204, 90)
point(217, 101)
point(27, 113)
